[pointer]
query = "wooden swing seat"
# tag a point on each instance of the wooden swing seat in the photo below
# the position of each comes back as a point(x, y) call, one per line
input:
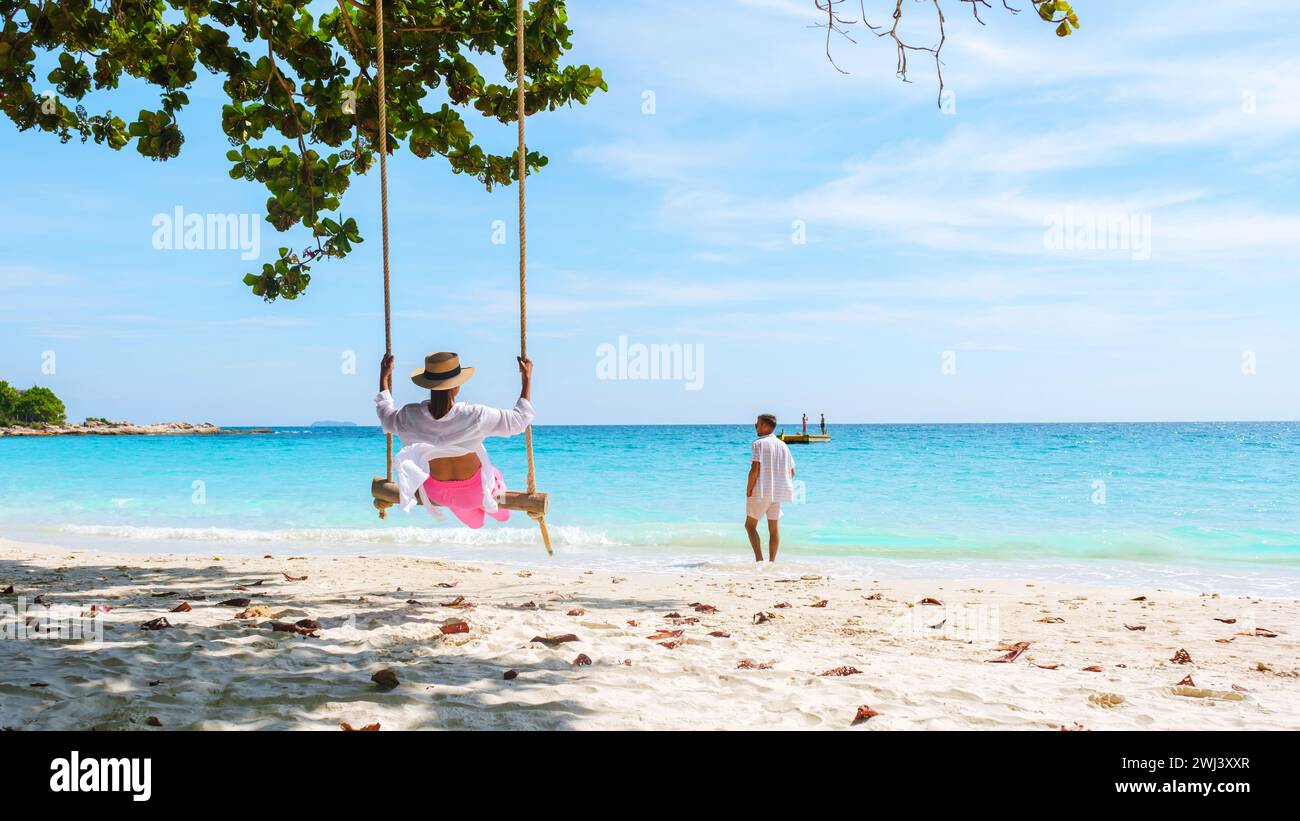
point(534, 504)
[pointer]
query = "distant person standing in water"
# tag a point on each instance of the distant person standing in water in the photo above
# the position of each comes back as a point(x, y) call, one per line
point(771, 482)
point(805, 424)
point(823, 424)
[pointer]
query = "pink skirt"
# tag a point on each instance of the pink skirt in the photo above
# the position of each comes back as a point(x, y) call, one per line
point(464, 497)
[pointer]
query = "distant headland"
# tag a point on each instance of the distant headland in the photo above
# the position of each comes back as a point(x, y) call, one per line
point(38, 412)
point(103, 427)
point(329, 423)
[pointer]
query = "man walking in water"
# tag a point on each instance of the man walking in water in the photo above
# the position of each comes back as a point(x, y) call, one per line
point(771, 475)
point(823, 424)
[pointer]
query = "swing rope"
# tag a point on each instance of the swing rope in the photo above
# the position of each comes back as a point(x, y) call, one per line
point(523, 251)
point(383, 207)
point(523, 256)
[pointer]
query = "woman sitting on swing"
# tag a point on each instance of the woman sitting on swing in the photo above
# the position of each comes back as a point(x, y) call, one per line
point(442, 455)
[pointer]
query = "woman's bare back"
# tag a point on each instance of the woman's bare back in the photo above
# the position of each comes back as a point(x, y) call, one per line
point(454, 468)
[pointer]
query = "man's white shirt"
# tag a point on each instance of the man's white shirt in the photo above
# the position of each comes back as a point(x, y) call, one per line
point(774, 465)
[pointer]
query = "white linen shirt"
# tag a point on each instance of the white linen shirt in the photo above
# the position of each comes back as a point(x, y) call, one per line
point(774, 465)
point(462, 430)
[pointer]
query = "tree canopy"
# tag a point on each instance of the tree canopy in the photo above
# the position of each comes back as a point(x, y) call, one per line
point(8, 396)
point(36, 405)
point(302, 112)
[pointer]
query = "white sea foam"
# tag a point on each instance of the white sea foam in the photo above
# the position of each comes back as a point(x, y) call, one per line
point(563, 535)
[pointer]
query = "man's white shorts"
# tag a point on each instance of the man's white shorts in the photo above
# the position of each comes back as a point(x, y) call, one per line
point(758, 508)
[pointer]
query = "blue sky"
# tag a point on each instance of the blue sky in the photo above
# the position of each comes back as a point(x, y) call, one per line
point(925, 235)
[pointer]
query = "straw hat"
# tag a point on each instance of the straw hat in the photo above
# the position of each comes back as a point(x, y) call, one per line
point(441, 371)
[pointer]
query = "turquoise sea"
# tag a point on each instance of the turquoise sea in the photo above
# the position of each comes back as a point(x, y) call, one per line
point(1192, 505)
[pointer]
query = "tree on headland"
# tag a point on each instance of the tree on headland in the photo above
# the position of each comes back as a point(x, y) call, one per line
point(289, 75)
point(8, 396)
point(34, 406)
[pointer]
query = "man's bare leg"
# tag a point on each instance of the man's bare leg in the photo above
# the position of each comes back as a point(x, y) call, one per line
point(773, 539)
point(751, 528)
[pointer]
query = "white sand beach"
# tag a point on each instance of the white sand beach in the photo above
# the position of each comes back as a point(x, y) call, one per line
point(748, 650)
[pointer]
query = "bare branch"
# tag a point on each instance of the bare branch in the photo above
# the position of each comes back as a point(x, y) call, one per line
point(835, 24)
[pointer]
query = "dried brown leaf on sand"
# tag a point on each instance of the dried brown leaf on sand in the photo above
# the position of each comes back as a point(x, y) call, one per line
point(1182, 657)
point(305, 627)
point(153, 721)
point(864, 713)
point(369, 728)
point(661, 635)
point(720, 634)
point(577, 611)
point(257, 612)
point(781, 605)
point(874, 597)
point(1187, 682)
point(750, 664)
point(289, 578)
point(1135, 626)
point(1138, 598)
point(236, 602)
point(841, 671)
point(764, 616)
point(1226, 621)
point(703, 608)
point(1015, 652)
point(819, 603)
point(8, 591)
point(1051, 620)
point(1093, 668)
point(672, 645)
point(458, 603)
point(457, 626)
point(555, 641)
point(582, 660)
point(1106, 701)
point(183, 607)
point(1048, 666)
point(159, 623)
point(931, 601)
point(510, 675)
point(1265, 633)
point(446, 584)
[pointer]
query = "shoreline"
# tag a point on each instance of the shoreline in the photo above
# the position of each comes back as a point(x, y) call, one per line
point(513, 545)
point(127, 429)
point(921, 666)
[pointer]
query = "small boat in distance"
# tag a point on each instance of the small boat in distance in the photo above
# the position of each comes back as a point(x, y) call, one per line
point(804, 438)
